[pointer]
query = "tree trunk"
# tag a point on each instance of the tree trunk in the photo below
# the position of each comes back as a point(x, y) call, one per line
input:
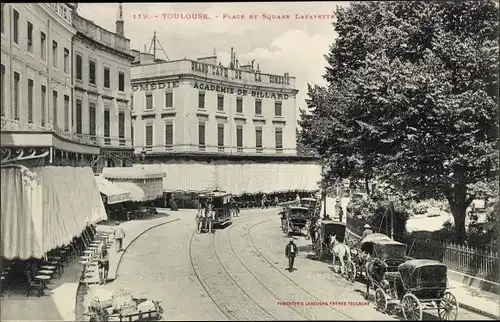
point(457, 198)
point(459, 214)
point(367, 187)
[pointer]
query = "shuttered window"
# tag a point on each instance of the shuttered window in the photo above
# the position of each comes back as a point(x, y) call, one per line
point(220, 135)
point(239, 136)
point(121, 125)
point(149, 135)
point(17, 79)
point(43, 104)
point(107, 75)
point(201, 101)
point(2, 93)
point(132, 133)
point(54, 107)
point(92, 120)
point(258, 137)
point(79, 116)
point(169, 99)
point(278, 137)
point(239, 105)
point(92, 71)
point(121, 81)
point(79, 66)
point(169, 134)
point(220, 102)
point(277, 109)
point(201, 133)
point(66, 113)
point(30, 100)
point(149, 101)
point(258, 107)
point(107, 125)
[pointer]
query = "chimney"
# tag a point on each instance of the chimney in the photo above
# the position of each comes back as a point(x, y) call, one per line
point(119, 21)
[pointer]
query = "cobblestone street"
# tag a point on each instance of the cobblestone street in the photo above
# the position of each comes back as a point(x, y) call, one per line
point(239, 273)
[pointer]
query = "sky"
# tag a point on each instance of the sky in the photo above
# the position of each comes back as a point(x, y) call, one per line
point(294, 46)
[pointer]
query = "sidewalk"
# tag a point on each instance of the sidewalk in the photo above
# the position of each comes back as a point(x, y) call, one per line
point(476, 300)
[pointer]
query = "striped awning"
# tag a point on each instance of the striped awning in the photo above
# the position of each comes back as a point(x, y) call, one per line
point(113, 193)
point(136, 192)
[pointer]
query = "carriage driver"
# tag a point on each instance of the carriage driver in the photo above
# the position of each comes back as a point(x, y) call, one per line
point(211, 217)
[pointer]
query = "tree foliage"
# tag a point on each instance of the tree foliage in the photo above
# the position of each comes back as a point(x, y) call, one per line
point(411, 99)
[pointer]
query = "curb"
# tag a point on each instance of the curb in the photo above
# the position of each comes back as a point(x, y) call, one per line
point(478, 311)
point(134, 239)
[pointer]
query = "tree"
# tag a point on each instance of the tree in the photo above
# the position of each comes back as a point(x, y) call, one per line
point(412, 97)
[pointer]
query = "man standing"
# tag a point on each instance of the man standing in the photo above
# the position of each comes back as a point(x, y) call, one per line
point(291, 250)
point(367, 231)
point(119, 235)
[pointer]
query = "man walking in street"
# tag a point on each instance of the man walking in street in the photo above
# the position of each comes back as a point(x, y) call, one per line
point(291, 250)
point(119, 235)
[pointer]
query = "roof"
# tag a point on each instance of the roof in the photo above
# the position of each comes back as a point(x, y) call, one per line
point(215, 194)
point(114, 193)
point(130, 173)
point(298, 208)
point(332, 222)
point(387, 242)
point(417, 263)
point(374, 237)
point(308, 199)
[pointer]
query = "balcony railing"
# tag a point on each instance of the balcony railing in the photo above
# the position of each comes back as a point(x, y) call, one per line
point(17, 126)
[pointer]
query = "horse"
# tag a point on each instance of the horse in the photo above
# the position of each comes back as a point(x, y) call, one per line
point(374, 270)
point(339, 251)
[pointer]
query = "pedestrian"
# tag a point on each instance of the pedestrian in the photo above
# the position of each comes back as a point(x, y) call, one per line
point(276, 201)
point(119, 236)
point(297, 199)
point(291, 250)
point(367, 231)
point(103, 266)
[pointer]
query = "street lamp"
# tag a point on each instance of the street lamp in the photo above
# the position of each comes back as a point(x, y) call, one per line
point(392, 198)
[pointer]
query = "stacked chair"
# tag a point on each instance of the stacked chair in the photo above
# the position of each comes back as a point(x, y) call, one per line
point(95, 241)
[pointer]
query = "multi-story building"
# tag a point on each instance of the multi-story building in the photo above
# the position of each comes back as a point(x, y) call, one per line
point(46, 93)
point(101, 61)
point(199, 106)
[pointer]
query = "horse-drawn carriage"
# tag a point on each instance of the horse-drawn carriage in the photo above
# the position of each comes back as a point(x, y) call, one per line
point(220, 203)
point(295, 219)
point(417, 285)
point(312, 204)
point(326, 230)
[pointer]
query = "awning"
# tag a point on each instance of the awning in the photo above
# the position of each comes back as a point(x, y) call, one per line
point(131, 173)
point(45, 207)
point(136, 193)
point(113, 193)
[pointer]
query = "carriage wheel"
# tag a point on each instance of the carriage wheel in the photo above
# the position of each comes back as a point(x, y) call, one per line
point(351, 270)
point(381, 299)
point(448, 307)
point(412, 310)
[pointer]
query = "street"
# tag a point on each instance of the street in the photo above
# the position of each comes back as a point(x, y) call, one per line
point(239, 273)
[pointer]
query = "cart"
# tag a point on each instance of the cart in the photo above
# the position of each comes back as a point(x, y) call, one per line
point(327, 229)
point(295, 220)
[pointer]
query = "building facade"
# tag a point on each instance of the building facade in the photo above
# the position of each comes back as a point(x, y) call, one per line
point(41, 115)
point(101, 77)
point(199, 106)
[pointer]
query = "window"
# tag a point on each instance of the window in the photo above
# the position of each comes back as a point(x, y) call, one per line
point(2, 16)
point(79, 67)
point(2, 93)
point(107, 126)
point(15, 27)
point(132, 134)
point(106, 77)
point(43, 106)
point(201, 134)
point(121, 81)
point(30, 100)
point(149, 136)
point(66, 60)
point(30, 37)
point(277, 109)
point(17, 79)
point(258, 139)
point(278, 138)
point(92, 79)
point(149, 101)
point(201, 101)
point(220, 135)
point(258, 107)
point(43, 46)
point(239, 105)
point(66, 113)
point(54, 108)
point(79, 116)
point(220, 102)
point(92, 118)
point(169, 99)
point(169, 134)
point(121, 125)
point(54, 53)
point(239, 138)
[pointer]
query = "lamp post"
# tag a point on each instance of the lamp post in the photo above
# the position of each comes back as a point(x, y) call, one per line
point(392, 198)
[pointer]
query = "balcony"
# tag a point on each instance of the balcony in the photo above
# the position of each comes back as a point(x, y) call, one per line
point(100, 35)
point(112, 141)
point(9, 125)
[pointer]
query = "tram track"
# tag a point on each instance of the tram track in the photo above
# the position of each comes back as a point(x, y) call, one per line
point(252, 242)
point(227, 308)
